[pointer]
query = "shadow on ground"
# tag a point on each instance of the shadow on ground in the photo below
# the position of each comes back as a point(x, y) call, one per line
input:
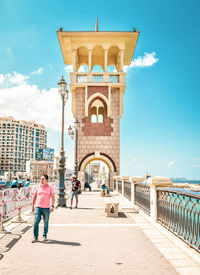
point(9, 240)
point(61, 242)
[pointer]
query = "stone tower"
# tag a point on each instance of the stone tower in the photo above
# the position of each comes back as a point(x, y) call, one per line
point(97, 97)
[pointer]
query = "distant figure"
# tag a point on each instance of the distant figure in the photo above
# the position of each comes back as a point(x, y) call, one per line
point(27, 183)
point(87, 185)
point(41, 207)
point(75, 186)
point(103, 186)
point(14, 184)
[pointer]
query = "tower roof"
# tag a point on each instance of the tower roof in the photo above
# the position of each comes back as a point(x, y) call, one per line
point(70, 41)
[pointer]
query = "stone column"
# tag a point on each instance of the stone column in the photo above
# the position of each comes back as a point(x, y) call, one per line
point(105, 60)
point(74, 60)
point(90, 61)
point(121, 60)
point(153, 183)
point(133, 181)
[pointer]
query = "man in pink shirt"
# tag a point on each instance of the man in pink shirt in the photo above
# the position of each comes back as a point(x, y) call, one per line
point(41, 207)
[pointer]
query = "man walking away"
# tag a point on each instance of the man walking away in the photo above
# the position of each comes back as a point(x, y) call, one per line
point(41, 207)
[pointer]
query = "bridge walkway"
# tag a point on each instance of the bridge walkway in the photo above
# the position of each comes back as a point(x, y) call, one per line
point(85, 241)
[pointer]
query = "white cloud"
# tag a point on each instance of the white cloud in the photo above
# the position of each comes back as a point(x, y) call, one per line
point(8, 49)
point(197, 159)
point(39, 71)
point(28, 102)
point(81, 69)
point(145, 61)
point(134, 160)
point(16, 78)
point(171, 163)
point(2, 78)
point(68, 68)
point(196, 165)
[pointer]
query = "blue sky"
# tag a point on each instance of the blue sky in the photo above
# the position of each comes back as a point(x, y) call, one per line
point(160, 129)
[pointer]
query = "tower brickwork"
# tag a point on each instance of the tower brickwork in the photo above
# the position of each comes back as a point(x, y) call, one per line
point(97, 96)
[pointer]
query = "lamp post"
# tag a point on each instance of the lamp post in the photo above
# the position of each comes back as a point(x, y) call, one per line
point(72, 133)
point(64, 96)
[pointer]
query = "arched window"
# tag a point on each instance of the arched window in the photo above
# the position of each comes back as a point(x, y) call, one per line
point(97, 112)
point(100, 114)
point(94, 114)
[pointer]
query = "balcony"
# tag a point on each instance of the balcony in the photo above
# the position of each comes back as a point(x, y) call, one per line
point(111, 79)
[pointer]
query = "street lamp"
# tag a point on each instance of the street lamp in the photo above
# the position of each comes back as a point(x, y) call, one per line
point(64, 96)
point(72, 133)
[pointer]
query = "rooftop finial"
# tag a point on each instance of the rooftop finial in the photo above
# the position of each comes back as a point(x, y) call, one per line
point(97, 28)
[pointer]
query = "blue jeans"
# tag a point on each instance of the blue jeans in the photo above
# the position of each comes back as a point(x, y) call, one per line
point(39, 212)
point(105, 187)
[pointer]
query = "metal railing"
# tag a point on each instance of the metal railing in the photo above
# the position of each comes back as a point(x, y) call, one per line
point(142, 197)
point(127, 189)
point(115, 185)
point(119, 186)
point(13, 202)
point(179, 212)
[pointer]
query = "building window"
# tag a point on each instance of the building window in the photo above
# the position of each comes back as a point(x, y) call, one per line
point(97, 112)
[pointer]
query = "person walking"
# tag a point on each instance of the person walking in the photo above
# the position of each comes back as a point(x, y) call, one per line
point(75, 186)
point(41, 207)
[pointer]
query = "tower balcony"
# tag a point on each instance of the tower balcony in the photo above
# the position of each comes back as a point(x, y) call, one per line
point(113, 79)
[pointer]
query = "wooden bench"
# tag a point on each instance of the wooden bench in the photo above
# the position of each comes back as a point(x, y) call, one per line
point(111, 207)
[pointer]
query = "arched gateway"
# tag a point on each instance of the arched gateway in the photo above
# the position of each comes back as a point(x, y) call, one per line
point(97, 98)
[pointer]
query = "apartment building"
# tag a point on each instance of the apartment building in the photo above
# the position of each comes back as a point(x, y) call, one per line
point(39, 168)
point(18, 141)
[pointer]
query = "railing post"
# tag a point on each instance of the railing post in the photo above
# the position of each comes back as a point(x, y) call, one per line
point(124, 178)
point(19, 197)
point(156, 182)
point(3, 211)
point(122, 185)
point(133, 181)
point(117, 184)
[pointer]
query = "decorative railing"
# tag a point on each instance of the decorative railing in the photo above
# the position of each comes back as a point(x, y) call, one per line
point(179, 212)
point(113, 78)
point(142, 197)
point(104, 77)
point(97, 78)
point(81, 78)
point(119, 186)
point(127, 189)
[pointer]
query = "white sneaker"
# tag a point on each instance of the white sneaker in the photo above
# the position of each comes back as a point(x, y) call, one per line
point(35, 240)
point(45, 239)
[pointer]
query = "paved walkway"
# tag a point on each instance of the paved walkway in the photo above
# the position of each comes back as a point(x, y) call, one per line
point(85, 241)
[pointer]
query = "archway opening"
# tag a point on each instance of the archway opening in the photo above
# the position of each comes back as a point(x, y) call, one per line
point(97, 171)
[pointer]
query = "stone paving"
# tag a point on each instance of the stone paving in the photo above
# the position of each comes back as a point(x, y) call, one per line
point(85, 241)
